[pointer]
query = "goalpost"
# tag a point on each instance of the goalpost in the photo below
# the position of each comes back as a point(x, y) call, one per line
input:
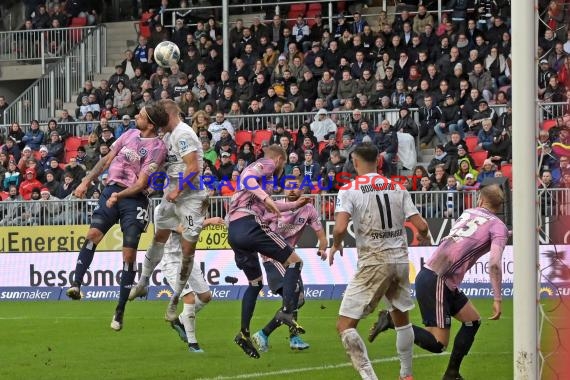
point(525, 243)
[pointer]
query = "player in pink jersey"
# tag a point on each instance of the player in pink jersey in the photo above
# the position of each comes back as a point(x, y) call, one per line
point(132, 159)
point(248, 234)
point(476, 232)
point(290, 226)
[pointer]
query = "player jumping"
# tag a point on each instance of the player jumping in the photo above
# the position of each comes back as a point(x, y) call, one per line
point(184, 203)
point(290, 226)
point(476, 232)
point(132, 159)
point(379, 210)
point(248, 234)
point(196, 293)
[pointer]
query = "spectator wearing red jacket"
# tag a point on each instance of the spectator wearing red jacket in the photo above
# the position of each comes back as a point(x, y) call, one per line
point(29, 184)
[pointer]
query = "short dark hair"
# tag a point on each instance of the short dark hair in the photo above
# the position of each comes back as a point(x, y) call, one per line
point(367, 152)
point(157, 115)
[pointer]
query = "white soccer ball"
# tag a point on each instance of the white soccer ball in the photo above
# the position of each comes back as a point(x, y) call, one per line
point(166, 54)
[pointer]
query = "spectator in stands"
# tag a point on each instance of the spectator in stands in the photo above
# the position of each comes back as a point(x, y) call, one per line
point(91, 151)
point(55, 146)
point(346, 89)
point(86, 91)
point(54, 127)
point(77, 171)
point(26, 155)
point(16, 133)
point(322, 125)
point(365, 130)
point(307, 145)
point(107, 137)
point(220, 124)
point(439, 177)
point(465, 169)
point(51, 210)
point(451, 148)
point(440, 158)
point(405, 122)
point(225, 139)
point(487, 171)
point(470, 183)
point(247, 152)
point(12, 210)
point(29, 214)
point(53, 165)
point(430, 117)
point(122, 99)
point(325, 152)
point(125, 125)
point(226, 166)
point(34, 136)
point(41, 19)
point(426, 203)
point(310, 168)
point(501, 149)
point(12, 176)
point(228, 185)
point(387, 143)
point(451, 120)
point(544, 74)
point(554, 92)
point(486, 135)
point(483, 112)
point(66, 187)
point(118, 76)
point(558, 172)
point(28, 184)
point(12, 149)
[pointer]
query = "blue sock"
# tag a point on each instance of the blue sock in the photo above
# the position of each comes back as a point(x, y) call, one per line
point(290, 287)
point(127, 279)
point(84, 260)
point(248, 306)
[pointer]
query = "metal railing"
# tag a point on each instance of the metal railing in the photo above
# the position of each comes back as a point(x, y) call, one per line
point(62, 79)
point(255, 122)
point(432, 204)
point(554, 202)
point(39, 46)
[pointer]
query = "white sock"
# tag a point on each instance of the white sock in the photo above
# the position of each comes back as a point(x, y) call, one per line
point(188, 319)
point(152, 258)
point(405, 347)
point(184, 271)
point(198, 304)
point(356, 350)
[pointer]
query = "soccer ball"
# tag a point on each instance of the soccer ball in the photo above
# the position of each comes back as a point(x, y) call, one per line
point(166, 54)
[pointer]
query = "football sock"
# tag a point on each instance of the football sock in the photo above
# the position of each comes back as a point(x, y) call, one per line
point(127, 279)
point(84, 260)
point(462, 344)
point(291, 287)
point(152, 257)
point(198, 305)
point(356, 350)
point(248, 305)
point(427, 341)
point(183, 273)
point(405, 347)
point(271, 326)
point(188, 319)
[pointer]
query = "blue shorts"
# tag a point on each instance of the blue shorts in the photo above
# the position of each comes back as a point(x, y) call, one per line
point(131, 212)
point(275, 274)
point(437, 302)
point(249, 235)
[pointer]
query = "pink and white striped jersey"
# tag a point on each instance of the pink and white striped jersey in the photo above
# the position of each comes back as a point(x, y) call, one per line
point(135, 155)
point(476, 232)
point(245, 202)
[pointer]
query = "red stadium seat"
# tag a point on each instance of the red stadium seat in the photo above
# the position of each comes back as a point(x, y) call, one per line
point(37, 155)
point(548, 124)
point(69, 154)
point(72, 143)
point(4, 195)
point(294, 136)
point(261, 136)
point(294, 11)
point(471, 142)
point(507, 170)
point(77, 22)
point(243, 136)
point(479, 157)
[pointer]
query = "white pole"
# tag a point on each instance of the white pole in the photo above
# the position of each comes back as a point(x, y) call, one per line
point(525, 349)
point(226, 35)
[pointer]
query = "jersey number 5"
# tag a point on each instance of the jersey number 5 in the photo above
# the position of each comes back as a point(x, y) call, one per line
point(385, 211)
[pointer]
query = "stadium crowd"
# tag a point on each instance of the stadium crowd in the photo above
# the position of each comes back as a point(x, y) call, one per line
point(453, 71)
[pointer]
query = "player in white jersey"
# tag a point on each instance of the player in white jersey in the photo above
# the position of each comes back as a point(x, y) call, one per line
point(184, 203)
point(379, 209)
point(196, 293)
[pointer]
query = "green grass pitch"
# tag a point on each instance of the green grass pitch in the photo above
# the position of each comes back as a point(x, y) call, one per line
point(73, 340)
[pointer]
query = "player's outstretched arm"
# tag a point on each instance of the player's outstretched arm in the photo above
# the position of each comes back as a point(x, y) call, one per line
point(496, 277)
point(340, 228)
point(99, 167)
point(323, 244)
point(131, 191)
point(217, 221)
point(423, 231)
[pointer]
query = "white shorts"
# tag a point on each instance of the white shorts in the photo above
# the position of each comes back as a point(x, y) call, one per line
point(372, 282)
point(170, 265)
point(188, 211)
